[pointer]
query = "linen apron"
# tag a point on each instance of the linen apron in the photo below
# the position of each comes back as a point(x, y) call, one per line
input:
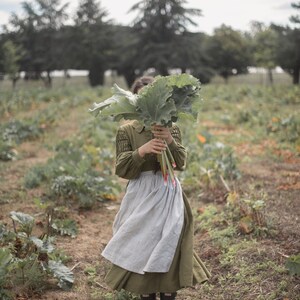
point(148, 225)
point(185, 269)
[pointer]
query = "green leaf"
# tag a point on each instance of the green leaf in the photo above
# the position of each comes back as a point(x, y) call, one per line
point(21, 218)
point(44, 246)
point(293, 264)
point(154, 103)
point(65, 227)
point(185, 91)
point(127, 94)
point(99, 106)
point(182, 80)
point(5, 259)
point(26, 221)
point(119, 109)
point(2, 231)
point(157, 103)
point(122, 102)
point(186, 117)
point(62, 273)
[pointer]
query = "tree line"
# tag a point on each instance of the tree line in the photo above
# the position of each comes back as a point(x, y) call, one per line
point(41, 40)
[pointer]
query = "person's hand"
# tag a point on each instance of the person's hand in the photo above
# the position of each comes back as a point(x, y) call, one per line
point(153, 146)
point(162, 132)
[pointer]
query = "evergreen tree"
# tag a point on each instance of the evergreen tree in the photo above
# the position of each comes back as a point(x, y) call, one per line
point(295, 18)
point(125, 52)
point(38, 32)
point(288, 53)
point(158, 26)
point(93, 37)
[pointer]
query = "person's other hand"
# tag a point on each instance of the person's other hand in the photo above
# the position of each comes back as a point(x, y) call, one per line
point(162, 132)
point(153, 146)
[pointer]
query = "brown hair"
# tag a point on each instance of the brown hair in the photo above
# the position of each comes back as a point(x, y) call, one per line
point(141, 82)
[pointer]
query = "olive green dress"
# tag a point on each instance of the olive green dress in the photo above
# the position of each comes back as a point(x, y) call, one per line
point(186, 269)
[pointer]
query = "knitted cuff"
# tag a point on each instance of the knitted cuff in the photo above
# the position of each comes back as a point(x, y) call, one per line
point(137, 158)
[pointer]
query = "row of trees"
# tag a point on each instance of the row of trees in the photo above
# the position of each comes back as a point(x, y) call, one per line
point(40, 41)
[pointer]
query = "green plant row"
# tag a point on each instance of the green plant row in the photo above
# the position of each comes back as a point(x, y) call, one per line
point(71, 175)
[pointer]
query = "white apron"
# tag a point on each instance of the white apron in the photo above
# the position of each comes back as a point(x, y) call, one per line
point(148, 225)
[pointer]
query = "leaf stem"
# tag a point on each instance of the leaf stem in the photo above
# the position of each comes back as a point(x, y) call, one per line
point(171, 156)
point(171, 172)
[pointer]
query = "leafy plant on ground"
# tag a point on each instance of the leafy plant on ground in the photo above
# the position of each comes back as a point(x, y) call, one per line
point(210, 164)
point(27, 261)
point(65, 227)
point(57, 218)
point(17, 131)
point(72, 175)
point(5, 260)
point(249, 211)
point(7, 152)
point(29, 98)
point(241, 215)
point(85, 189)
point(286, 129)
point(250, 117)
point(293, 264)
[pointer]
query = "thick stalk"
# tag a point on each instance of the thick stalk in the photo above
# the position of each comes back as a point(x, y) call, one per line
point(164, 167)
point(171, 156)
point(171, 172)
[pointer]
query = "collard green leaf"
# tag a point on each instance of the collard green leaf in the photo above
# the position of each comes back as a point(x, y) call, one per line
point(26, 221)
point(182, 80)
point(185, 92)
point(2, 231)
point(120, 108)
point(121, 102)
point(62, 273)
point(158, 103)
point(293, 264)
point(5, 258)
point(183, 98)
point(21, 217)
point(65, 227)
point(127, 94)
point(44, 246)
point(154, 103)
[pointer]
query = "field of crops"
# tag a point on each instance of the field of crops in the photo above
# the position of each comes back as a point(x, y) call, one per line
point(59, 195)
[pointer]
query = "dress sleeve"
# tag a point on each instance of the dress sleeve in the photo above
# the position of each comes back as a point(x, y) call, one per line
point(128, 161)
point(178, 151)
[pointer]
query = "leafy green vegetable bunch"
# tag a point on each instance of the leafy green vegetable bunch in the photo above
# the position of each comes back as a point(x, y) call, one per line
point(160, 103)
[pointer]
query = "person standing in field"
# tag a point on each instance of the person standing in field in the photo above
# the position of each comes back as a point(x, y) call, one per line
point(152, 245)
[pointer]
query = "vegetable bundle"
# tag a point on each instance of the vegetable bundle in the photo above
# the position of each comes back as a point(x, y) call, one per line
point(160, 103)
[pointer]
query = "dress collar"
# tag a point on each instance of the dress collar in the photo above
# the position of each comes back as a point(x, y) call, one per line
point(138, 126)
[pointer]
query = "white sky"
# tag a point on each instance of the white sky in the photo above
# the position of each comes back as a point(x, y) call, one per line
point(235, 13)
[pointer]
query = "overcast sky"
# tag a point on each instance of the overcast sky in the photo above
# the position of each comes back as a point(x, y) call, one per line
point(236, 13)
